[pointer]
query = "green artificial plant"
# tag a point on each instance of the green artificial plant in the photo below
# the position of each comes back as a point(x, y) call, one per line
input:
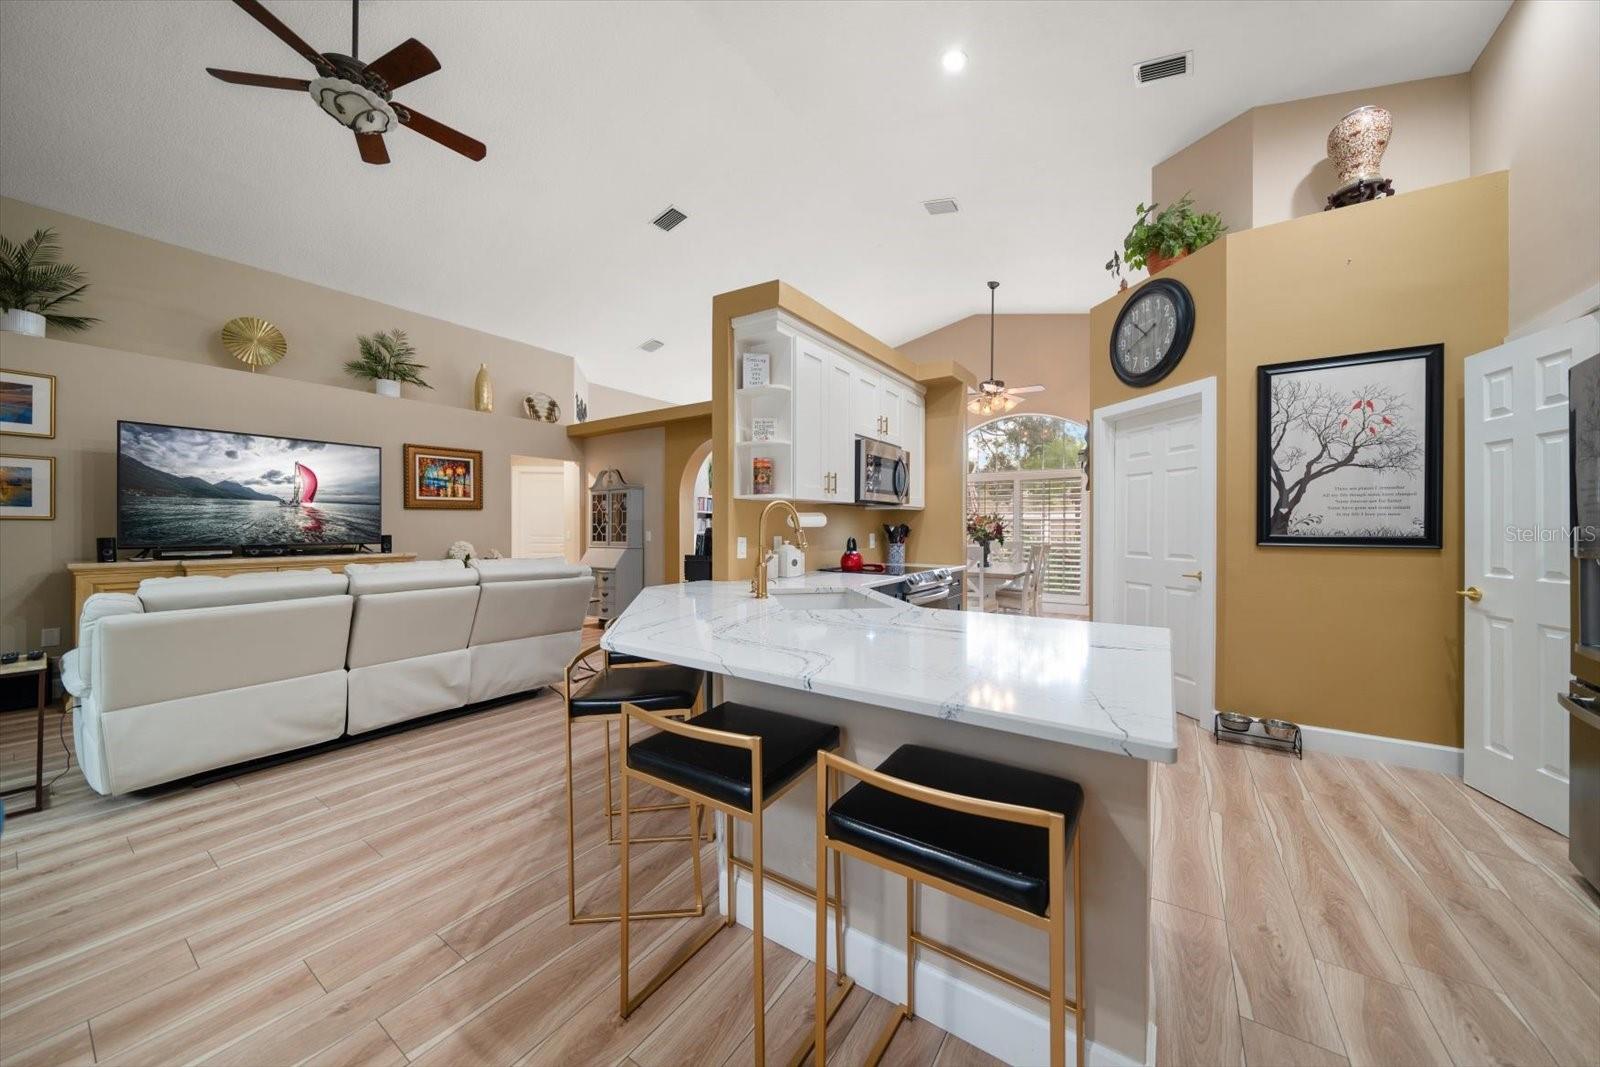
point(33, 278)
point(390, 356)
point(1170, 232)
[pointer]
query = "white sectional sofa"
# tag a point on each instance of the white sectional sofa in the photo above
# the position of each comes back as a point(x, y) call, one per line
point(194, 673)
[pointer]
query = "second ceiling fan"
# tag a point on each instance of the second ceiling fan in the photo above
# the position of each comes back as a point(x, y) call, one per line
point(357, 94)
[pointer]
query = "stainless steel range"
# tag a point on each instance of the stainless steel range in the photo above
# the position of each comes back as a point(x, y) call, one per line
point(935, 587)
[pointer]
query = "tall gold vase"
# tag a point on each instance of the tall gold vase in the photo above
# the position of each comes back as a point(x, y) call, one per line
point(483, 390)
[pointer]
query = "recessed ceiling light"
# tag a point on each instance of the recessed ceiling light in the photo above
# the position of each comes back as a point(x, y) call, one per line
point(955, 61)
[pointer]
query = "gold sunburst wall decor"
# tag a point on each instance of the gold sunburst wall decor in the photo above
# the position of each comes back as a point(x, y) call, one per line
point(254, 342)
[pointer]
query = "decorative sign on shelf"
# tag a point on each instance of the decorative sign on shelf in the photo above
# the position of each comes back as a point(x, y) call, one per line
point(763, 428)
point(757, 369)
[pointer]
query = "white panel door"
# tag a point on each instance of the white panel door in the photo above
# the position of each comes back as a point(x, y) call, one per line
point(538, 516)
point(1517, 636)
point(812, 445)
point(1157, 536)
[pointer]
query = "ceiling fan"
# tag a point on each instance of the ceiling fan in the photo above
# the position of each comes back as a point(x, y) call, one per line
point(992, 397)
point(357, 94)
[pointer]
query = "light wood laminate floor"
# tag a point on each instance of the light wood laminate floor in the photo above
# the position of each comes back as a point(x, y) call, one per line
point(402, 901)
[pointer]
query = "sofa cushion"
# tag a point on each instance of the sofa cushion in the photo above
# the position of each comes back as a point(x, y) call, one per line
point(99, 606)
point(401, 577)
point(73, 680)
point(211, 591)
point(522, 570)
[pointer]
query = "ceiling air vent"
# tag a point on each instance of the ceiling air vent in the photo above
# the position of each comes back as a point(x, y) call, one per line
point(668, 219)
point(1152, 70)
point(945, 206)
point(652, 344)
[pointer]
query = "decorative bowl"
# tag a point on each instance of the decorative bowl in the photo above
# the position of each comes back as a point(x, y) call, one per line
point(1281, 729)
point(1232, 720)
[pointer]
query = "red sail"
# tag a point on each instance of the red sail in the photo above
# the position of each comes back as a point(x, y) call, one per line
point(308, 483)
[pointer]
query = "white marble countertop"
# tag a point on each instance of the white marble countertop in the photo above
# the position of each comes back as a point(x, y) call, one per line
point(1101, 686)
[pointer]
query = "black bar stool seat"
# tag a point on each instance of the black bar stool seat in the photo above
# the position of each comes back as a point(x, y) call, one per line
point(623, 659)
point(1004, 860)
point(789, 747)
point(654, 688)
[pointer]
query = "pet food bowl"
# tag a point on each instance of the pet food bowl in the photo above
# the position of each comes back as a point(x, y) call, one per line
point(1281, 729)
point(1232, 720)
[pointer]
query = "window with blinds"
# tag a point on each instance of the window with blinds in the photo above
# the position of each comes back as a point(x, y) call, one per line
point(1045, 507)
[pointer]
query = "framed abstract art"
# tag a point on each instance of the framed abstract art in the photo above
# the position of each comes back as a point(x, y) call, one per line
point(443, 478)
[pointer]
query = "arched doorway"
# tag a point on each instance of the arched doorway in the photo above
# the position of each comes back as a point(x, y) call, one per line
point(694, 490)
point(1028, 469)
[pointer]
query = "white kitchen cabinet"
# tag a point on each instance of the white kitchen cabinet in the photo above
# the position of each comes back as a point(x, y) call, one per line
point(914, 440)
point(822, 396)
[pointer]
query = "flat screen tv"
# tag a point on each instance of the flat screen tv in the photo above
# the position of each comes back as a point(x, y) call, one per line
point(183, 487)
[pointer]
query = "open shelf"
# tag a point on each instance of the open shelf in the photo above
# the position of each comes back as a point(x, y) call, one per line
point(763, 390)
point(762, 444)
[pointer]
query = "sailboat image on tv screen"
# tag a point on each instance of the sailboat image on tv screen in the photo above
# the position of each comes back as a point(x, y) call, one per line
point(305, 487)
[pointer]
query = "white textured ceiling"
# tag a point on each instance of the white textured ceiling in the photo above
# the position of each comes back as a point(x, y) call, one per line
point(799, 137)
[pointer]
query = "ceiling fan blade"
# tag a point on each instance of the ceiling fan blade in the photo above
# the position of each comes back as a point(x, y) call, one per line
point(438, 131)
point(372, 148)
point(1020, 389)
point(266, 81)
point(255, 10)
point(404, 63)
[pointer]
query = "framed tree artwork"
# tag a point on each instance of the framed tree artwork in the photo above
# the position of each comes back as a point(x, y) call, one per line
point(443, 478)
point(1350, 450)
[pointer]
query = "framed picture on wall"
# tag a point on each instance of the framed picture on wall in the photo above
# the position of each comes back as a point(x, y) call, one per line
point(27, 403)
point(27, 487)
point(445, 478)
point(1350, 450)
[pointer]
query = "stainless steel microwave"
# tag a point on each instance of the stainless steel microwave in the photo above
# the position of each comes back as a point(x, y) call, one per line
point(883, 473)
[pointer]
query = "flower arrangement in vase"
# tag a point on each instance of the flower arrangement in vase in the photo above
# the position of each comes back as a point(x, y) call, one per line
point(984, 530)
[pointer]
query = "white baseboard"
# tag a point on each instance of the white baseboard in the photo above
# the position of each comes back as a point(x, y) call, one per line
point(1000, 1027)
point(1402, 753)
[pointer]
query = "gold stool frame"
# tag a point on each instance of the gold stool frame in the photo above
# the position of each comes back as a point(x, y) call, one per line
point(759, 802)
point(578, 671)
point(830, 767)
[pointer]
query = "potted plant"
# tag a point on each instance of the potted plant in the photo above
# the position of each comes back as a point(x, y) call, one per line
point(984, 530)
point(1160, 238)
point(34, 283)
point(387, 359)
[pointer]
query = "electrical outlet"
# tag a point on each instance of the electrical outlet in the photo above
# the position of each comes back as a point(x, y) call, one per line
point(872, 540)
point(50, 636)
point(742, 549)
point(647, 537)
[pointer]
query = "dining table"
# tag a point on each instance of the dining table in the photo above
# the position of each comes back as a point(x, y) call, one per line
point(1001, 573)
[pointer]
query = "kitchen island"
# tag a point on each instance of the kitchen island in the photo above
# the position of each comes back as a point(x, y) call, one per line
point(1087, 701)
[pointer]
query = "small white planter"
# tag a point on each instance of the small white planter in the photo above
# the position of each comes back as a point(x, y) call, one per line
point(386, 387)
point(30, 323)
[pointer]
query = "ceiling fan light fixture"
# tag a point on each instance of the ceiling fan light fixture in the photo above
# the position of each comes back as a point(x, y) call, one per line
point(354, 106)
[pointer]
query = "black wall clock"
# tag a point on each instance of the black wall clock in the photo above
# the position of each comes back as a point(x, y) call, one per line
point(1152, 332)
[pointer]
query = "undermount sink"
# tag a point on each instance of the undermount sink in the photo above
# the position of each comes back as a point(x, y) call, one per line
point(841, 601)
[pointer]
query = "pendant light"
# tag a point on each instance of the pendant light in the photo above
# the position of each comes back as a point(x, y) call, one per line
point(992, 398)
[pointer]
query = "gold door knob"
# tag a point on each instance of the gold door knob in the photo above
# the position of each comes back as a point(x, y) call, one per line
point(1198, 576)
point(1471, 592)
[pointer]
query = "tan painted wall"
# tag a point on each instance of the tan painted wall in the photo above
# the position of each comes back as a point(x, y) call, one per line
point(683, 443)
point(1271, 163)
point(1047, 350)
point(936, 530)
point(1536, 113)
point(1367, 640)
point(163, 300)
point(606, 402)
point(98, 386)
point(1217, 171)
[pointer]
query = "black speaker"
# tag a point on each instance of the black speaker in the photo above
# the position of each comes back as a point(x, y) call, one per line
point(385, 543)
point(105, 549)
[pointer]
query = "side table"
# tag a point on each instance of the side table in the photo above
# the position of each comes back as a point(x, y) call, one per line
point(41, 667)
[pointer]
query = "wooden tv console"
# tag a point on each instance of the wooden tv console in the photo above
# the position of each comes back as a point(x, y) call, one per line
point(125, 576)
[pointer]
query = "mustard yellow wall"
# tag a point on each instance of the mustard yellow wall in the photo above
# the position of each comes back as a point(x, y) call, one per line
point(1367, 640)
point(683, 442)
point(936, 530)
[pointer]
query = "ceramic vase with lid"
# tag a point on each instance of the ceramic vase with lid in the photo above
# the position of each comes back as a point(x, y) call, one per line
point(1357, 142)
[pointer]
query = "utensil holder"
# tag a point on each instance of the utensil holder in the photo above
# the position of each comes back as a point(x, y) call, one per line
point(897, 555)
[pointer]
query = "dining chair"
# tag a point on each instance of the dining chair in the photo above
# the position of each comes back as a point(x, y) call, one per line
point(973, 577)
point(1026, 600)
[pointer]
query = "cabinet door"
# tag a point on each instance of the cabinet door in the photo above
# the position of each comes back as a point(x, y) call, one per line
point(865, 413)
point(914, 439)
point(844, 384)
point(891, 411)
point(811, 444)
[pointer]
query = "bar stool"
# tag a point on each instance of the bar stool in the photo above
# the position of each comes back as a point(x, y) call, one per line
point(738, 760)
point(596, 694)
point(982, 831)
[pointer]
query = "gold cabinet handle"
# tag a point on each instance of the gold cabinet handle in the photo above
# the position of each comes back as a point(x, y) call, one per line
point(1471, 592)
point(1198, 576)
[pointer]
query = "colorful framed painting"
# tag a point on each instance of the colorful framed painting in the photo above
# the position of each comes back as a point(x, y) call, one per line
point(446, 478)
point(27, 403)
point(27, 487)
